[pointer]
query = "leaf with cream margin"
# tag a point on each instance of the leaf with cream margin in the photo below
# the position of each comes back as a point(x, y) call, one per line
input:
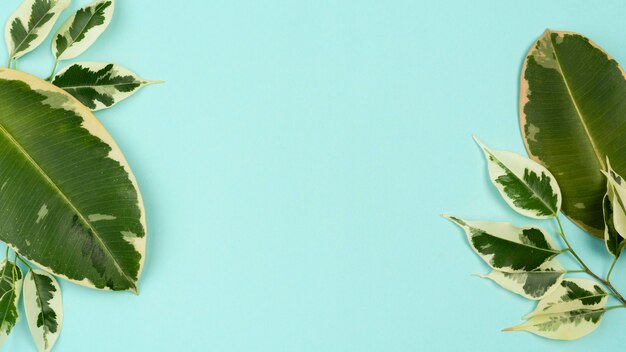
point(43, 305)
point(82, 29)
point(30, 24)
point(571, 295)
point(10, 289)
point(529, 188)
point(572, 116)
point(506, 247)
point(534, 284)
point(613, 241)
point(99, 85)
point(570, 325)
point(70, 201)
point(616, 192)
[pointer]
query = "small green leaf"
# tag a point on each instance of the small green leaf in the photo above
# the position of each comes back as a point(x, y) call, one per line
point(99, 85)
point(571, 295)
point(529, 188)
point(82, 29)
point(507, 248)
point(44, 308)
point(616, 192)
point(534, 284)
point(30, 24)
point(612, 239)
point(10, 289)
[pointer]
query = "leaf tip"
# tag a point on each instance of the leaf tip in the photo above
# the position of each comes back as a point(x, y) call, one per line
point(512, 328)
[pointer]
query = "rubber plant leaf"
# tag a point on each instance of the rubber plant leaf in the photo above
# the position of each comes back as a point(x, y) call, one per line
point(10, 289)
point(99, 85)
point(534, 284)
point(71, 203)
point(528, 188)
point(572, 311)
point(508, 248)
point(573, 116)
point(43, 305)
point(30, 24)
point(82, 29)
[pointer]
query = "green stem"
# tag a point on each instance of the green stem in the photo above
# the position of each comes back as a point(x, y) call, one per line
point(585, 268)
point(25, 263)
point(608, 275)
point(54, 70)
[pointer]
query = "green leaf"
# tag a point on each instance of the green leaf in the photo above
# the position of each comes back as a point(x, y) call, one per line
point(69, 199)
point(529, 188)
point(10, 289)
point(570, 325)
point(30, 24)
point(534, 284)
point(616, 193)
point(44, 308)
point(612, 239)
point(572, 295)
point(82, 29)
point(572, 116)
point(507, 248)
point(99, 85)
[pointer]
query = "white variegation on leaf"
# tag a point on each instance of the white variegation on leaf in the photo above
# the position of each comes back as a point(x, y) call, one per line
point(30, 24)
point(82, 29)
point(613, 241)
point(10, 290)
point(99, 85)
point(508, 248)
point(44, 308)
point(529, 188)
point(572, 295)
point(534, 284)
point(570, 325)
point(616, 192)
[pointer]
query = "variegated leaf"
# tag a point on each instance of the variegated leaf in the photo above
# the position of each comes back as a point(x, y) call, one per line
point(572, 294)
point(616, 190)
point(506, 247)
point(569, 325)
point(44, 308)
point(10, 289)
point(30, 24)
point(613, 241)
point(99, 85)
point(534, 284)
point(82, 29)
point(529, 188)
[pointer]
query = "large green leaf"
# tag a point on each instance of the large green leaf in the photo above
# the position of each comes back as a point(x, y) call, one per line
point(68, 200)
point(10, 289)
point(30, 24)
point(508, 248)
point(573, 115)
point(44, 308)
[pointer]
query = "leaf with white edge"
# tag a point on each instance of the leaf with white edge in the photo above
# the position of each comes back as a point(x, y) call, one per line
point(82, 29)
point(616, 191)
point(506, 247)
point(99, 85)
point(534, 284)
point(571, 295)
point(612, 240)
point(30, 24)
point(570, 325)
point(44, 308)
point(70, 201)
point(528, 188)
point(10, 289)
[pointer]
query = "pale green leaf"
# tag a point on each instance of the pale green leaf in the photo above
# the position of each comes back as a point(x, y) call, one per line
point(82, 29)
point(44, 308)
point(30, 24)
point(72, 204)
point(507, 248)
point(529, 188)
point(572, 116)
point(534, 284)
point(99, 85)
point(570, 325)
point(10, 289)
point(570, 295)
point(616, 193)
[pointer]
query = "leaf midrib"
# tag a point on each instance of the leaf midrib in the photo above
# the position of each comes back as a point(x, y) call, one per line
point(578, 112)
point(68, 201)
point(83, 30)
point(520, 243)
point(30, 31)
point(101, 85)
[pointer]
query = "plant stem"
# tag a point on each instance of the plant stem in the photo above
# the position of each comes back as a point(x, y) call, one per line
point(608, 275)
point(25, 263)
point(585, 268)
point(54, 70)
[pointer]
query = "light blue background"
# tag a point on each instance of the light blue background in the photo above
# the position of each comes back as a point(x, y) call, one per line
point(294, 166)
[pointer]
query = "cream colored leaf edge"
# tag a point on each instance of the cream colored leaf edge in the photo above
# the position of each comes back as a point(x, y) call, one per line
point(515, 282)
point(32, 310)
point(554, 302)
point(95, 128)
point(18, 290)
